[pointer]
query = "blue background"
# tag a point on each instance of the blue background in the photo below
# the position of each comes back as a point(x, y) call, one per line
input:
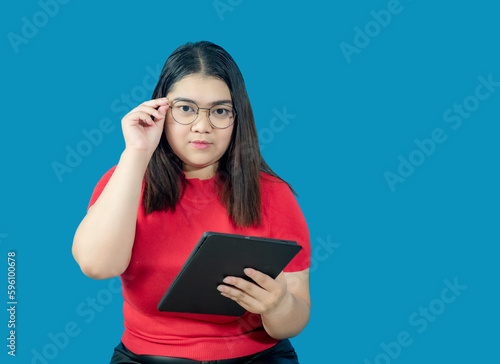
point(380, 254)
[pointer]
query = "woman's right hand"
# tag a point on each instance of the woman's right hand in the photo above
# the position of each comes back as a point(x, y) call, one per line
point(140, 131)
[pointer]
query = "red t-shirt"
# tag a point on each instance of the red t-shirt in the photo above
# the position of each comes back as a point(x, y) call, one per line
point(164, 240)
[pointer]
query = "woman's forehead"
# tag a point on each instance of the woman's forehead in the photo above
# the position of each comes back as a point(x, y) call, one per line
point(200, 88)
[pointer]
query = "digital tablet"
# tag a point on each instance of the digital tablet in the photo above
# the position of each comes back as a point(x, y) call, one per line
point(215, 257)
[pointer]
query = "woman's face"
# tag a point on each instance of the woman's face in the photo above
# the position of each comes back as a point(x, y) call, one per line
point(198, 145)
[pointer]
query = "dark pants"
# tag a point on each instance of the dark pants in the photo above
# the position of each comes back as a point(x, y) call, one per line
point(281, 353)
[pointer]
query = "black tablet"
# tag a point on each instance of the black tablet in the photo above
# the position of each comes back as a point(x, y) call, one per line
point(215, 257)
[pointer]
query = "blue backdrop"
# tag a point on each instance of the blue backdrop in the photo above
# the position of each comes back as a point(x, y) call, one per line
point(383, 115)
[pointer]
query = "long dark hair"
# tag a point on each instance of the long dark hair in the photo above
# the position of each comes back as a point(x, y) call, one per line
point(238, 170)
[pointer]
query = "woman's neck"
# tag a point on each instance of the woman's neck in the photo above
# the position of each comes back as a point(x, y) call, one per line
point(200, 173)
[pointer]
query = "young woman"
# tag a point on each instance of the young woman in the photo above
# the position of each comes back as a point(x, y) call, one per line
point(192, 164)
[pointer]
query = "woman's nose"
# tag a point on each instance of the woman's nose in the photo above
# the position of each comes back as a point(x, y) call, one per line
point(202, 123)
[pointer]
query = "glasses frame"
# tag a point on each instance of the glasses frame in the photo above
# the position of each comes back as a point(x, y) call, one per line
point(198, 114)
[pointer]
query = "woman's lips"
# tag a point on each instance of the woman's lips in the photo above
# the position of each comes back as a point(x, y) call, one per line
point(200, 144)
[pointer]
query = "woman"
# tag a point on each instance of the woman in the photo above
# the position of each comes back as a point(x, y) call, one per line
point(192, 164)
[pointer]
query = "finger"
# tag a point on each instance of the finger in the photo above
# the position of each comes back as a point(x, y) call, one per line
point(261, 279)
point(156, 102)
point(246, 301)
point(163, 109)
point(151, 111)
point(138, 116)
point(281, 277)
point(245, 286)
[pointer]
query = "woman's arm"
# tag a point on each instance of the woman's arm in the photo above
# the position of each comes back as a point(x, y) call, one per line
point(284, 303)
point(293, 315)
point(103, 242)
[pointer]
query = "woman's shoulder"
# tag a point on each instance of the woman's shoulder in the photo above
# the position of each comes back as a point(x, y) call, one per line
point(273, 185)
point(100, 185)
point(105, 178)
point(110, 172)
point(266, 178)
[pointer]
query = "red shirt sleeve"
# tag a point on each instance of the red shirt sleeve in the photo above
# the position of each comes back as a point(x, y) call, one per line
point(286, 220)
point(100, 186)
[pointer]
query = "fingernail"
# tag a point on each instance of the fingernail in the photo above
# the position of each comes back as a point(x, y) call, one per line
point(248, 271)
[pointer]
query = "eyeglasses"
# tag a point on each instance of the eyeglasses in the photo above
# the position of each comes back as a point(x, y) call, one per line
point(186, 112)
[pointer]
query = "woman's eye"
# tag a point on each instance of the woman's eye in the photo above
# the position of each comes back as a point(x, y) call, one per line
point(186, 108)
point(220, 111)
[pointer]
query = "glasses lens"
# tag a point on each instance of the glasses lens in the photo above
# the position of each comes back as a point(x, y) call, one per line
point(184, 112)
point(222, 116)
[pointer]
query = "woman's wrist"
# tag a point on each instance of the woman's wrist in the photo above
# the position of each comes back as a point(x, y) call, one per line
point(288, 319)
point(136, 158)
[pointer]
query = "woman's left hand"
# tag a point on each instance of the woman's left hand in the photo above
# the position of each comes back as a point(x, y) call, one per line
point(262, 297)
